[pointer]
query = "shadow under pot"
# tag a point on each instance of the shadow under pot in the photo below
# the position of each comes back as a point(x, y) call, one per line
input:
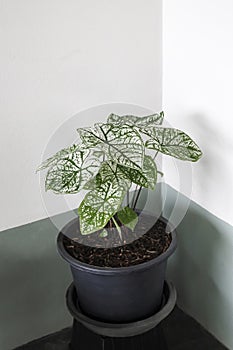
point(119, 294)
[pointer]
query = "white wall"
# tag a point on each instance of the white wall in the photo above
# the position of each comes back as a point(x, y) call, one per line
point(201, 268)
point(197, 93)
point(197, 97)
point(57, 58)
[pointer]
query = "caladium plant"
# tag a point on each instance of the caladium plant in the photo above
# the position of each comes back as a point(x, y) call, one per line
point(110, 158)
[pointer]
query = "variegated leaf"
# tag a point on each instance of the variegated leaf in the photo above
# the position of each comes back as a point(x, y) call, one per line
point(100, 205)
point(121, 143)
point(90, 137)
point(146, 177)
point(139, 122)
point(108, 190)
point(66, 152)
point(173, 142)
point(107, 172)
point(70, 170)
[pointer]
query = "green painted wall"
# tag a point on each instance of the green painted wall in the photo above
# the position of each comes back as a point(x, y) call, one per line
point(34, 278)
point(33, 283)
point(202, 269)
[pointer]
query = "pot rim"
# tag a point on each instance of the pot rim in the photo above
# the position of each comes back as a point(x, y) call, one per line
point(113, 270)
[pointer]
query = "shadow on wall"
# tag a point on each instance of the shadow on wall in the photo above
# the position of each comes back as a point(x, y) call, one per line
point(202, 270)
point(214, 168)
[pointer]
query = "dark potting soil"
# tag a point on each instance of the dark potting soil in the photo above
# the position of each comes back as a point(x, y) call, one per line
point(112, 251)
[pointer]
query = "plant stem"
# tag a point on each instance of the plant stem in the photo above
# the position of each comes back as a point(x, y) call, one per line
point(134, 195)
point(117, 227)
point(136, 200)
point(140, 189)
point(156, 153)
point(160, 173)
point(127, 198)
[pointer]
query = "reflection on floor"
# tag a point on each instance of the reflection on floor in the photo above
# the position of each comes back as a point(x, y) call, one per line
point(177, 332)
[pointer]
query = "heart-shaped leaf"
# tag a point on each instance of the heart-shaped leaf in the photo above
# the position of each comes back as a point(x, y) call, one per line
point(128, 217)
point(173, 142)
point(121, 143)
point(103, 201)
point(70, 169)
point(139, 122)
point(100, 205)
point(107, 172)
point(146, 177)
point(66, 152)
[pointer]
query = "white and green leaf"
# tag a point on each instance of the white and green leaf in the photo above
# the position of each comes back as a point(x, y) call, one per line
point(90, 137)
point(108, 190)
point(139, 122)
point(70, 171)
point(173, 142)
point(107, 172)
point(146, 177)
point(128, 217)
point(121, 143)
point(66, 152)
point(99, 206)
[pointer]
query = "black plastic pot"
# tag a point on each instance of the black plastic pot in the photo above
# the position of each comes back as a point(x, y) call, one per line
point(118, 295)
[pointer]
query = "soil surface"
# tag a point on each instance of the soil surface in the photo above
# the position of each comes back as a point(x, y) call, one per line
point(148, 241)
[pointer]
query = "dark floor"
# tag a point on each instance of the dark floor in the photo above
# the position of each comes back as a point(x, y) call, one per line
point(177, 332)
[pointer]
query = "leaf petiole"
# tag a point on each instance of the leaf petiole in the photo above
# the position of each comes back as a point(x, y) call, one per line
point(117, 227)
point(160, 173)
point(156, 153)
